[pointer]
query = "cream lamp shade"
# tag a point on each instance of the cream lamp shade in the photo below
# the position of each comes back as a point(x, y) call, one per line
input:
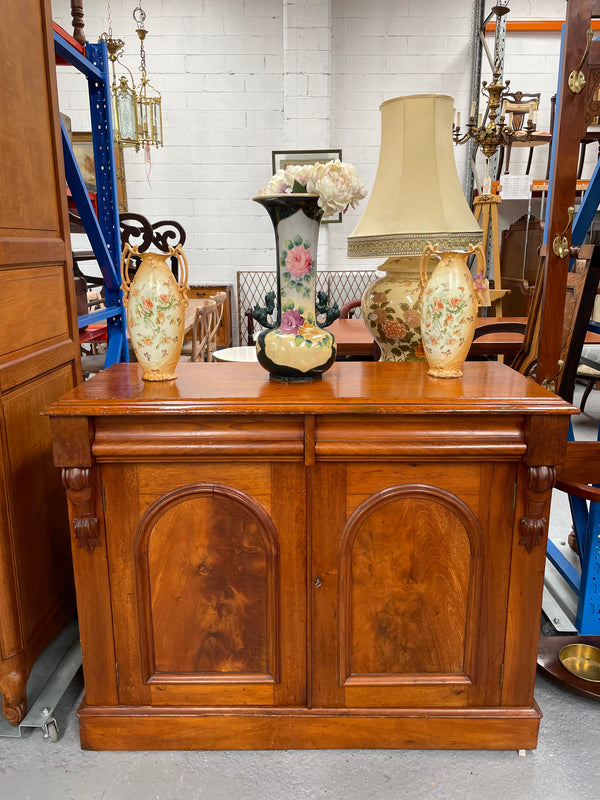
point(417, 197)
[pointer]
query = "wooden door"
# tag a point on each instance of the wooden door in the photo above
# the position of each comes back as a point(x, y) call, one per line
point(39, 350)
point(410, 580)
point(207, 567)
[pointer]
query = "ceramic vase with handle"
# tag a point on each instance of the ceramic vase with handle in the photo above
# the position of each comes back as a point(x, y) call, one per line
point(449, 303)
point(296, 347)
point(156, 304)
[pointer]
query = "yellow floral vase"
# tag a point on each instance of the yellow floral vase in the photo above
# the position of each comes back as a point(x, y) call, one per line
point(449, 304)
point(156, 305)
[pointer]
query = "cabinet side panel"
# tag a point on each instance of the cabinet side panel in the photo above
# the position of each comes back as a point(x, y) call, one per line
point(41, 551)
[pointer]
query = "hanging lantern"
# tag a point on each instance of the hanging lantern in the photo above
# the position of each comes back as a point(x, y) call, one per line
point(149, 110)
point(137, 112)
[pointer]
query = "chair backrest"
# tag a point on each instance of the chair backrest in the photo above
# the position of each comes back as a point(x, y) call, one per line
point(518, 107)
point(206, 324)
point(202, 330)
point(138, 230)
point(582, 283)
point(348, 308)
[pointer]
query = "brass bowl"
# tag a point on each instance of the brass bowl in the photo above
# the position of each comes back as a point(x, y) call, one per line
point(582, 660)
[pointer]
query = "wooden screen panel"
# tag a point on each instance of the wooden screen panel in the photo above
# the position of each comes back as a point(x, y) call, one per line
point(34, 308)
point(409, 582)
point(209, 560)
point(27, 172)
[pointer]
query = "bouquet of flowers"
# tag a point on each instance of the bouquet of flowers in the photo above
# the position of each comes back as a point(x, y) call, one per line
point(337, 184)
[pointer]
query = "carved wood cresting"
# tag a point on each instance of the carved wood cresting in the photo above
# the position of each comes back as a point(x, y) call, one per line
point(592, 101)
point(86, 526)
point(533, 525)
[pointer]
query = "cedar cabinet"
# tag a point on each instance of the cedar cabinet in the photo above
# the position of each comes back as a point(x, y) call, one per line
point(355, 561)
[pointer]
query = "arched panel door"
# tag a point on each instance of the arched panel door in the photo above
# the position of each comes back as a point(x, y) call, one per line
point(410, 592)
point(207, 576)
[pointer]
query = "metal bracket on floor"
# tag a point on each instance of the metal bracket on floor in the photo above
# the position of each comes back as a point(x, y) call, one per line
point(51, 675)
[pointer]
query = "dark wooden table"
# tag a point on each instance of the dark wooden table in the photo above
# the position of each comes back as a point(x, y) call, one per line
point(353, 338)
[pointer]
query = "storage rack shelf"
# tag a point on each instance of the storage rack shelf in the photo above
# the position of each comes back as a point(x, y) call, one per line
point(102, 229)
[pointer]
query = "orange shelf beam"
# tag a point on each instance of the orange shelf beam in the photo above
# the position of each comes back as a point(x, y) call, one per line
point(536, 25)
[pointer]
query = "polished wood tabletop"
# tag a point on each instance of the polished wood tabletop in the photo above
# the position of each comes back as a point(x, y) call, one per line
point(356, 387)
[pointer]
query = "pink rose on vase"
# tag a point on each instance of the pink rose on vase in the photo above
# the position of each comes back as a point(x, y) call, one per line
point(291, 321)
point(298, 261)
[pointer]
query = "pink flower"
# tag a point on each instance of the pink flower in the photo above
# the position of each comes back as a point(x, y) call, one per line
point(291, 321)
point(298, 261)
point(147, 304)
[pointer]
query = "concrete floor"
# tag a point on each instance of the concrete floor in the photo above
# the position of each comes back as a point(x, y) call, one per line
point(566, 762)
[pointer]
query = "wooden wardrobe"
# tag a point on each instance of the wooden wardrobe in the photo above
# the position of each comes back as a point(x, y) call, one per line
point(39, 349)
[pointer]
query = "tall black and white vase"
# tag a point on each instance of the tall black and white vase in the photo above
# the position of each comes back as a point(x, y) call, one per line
point(297, 347)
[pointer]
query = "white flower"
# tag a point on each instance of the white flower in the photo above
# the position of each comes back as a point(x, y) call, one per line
point(279, 184)
point(337, 184)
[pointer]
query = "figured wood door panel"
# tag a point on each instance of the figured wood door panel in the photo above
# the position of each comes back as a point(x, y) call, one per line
point(197, 580)
point(417, 587)
point(209, 563)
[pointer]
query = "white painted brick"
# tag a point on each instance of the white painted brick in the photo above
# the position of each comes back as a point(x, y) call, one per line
point(253, 26)
point(313, 61)
point(318, 85)
point(217, 7)
point(427, 45)
point(220, 67)
point(264, 45)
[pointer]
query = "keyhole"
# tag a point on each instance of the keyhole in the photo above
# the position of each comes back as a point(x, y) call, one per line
point(317, 581)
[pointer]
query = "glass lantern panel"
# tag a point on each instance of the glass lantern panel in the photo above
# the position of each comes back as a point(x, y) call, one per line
point(126, 115)
point(143, 120)
point(156, 122)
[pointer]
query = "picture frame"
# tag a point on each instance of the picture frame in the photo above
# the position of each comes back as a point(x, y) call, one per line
point(83, 150)
point(284, 158)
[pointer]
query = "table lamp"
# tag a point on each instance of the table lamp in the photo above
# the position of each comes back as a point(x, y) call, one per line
point(416, 200)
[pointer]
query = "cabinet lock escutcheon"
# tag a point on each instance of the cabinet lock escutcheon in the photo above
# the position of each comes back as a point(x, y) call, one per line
point(317, 581)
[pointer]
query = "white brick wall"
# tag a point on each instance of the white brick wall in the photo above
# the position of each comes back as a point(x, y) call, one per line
point(241, 78)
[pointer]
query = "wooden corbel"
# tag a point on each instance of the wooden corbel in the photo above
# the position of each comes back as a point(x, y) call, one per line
point(86, 526)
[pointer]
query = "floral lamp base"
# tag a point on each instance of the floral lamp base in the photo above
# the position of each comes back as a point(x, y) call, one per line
point(392, 313)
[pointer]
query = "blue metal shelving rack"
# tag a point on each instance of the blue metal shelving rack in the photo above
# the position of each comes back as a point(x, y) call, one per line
point(102, 230)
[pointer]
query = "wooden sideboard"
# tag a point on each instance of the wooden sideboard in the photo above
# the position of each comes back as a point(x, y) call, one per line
point(351, 562)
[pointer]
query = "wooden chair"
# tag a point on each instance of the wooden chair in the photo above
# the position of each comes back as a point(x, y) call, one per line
point(347, 310)
point(589, 371)
point(205, 326)
point(138, 230)
point(517, 109)
point(591, 135)
point(578, 306)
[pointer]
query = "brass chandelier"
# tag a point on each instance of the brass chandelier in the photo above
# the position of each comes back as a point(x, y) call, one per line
point(137, 111)
point(492, 135)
